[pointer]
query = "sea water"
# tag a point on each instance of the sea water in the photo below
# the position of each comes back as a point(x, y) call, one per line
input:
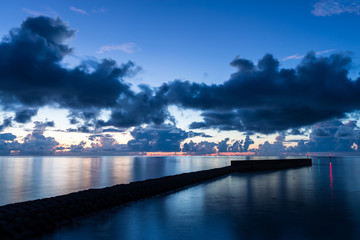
point(317, 202)
point(29, 178)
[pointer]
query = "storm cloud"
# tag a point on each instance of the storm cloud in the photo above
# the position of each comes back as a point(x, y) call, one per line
point(7, 122)
point(8, 143)
point(259, 97)
point(164, 138)
point(200, 148)
point(33, 75)
point(325, 137)
point(330, 136)
point(265, 98)
point(24, 116)
point(235, 146)
point(31, 72)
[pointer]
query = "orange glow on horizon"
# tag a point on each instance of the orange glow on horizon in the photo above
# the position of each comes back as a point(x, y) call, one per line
point(189, 154)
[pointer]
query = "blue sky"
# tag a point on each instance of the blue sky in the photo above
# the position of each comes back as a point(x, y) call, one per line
point(194, 41)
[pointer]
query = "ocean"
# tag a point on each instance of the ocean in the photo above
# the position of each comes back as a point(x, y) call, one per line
point(317, 202)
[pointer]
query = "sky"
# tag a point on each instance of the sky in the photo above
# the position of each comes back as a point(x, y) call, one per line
point(187, 77)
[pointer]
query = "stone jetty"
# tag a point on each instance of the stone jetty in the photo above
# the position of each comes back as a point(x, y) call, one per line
point(32, 218)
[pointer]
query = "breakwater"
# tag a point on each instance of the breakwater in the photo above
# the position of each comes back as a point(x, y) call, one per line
point(259, 165)
point(31, 218)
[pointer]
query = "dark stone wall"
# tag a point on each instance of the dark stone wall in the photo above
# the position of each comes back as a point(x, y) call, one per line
point(258, 165)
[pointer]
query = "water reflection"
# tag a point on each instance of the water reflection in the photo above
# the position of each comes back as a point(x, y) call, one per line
point(289, 204)
point(331, 181)
point(28, 178)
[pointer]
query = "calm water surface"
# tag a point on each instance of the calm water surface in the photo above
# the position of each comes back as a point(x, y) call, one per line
point(318, 202)
point(29, 178)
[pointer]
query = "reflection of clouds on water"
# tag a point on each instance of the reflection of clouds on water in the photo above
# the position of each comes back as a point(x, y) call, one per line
point(289, 204)
point(28, 178)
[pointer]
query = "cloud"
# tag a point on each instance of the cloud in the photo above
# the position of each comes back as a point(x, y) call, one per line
point(296, 131)
point(192, 134)
point(76, 148)
point(331, 136)
point(78, 10)
point(7, 137)
point(36, 143)
point(235, 146)
point(25, 115)
point(32, 76)
point(7, 122)
point(41, 126)
point(221, 120)
point(272, 149)
point(31, 57)
point(326, 136)
point(264, 98)
point(334, 7)
point(325, 51)
point(45, 12)
point(142, 107)
point(296, 56)
point(32, 12)
point(113, 130)
point(161, 138)
point(259, 97)
point(107, 144)
point(7, 143)
point(201, 148)
point(128, 47)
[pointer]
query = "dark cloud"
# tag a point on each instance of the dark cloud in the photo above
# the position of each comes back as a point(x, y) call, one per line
point(162, 138)
point(32, 75)
point(258, 97)
point(273, 149)
point(113, 130)
point(220, 120)
point(31, 72)
point(142, 107)
point(327, 136)
point(25, 115)
point(95, 136)
point(223, 146)
point(331, 136)
point(100, 145)
point(226, 145)
point(7, 122)
point(201, 148)
point(247, 142)
point(296, 131)
point(265, 98)
point(77, 148)
point(8, 143)
point(192, 134)
point(108, 145)
point(235, 146)
point(36, 143)
point(7, 137)
point(76, 116)
point(41, 126)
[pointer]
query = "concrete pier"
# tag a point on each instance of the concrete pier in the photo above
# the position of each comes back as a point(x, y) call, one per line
point(259, 165)
point(32, 218)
